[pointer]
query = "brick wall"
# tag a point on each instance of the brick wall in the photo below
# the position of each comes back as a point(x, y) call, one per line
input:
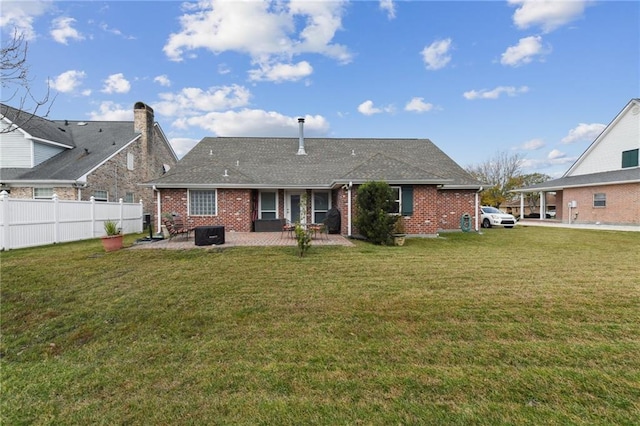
point(234, 209)
point(452, 204)
point(433, 209)
point(64, 193)
point(114, 176)
point(623, 204)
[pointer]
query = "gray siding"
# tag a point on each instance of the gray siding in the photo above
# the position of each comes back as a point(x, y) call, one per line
point(42, 152)
point(15, 150)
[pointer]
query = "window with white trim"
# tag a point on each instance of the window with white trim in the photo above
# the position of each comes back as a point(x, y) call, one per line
point(129, 197)
point(202, 202)
point(600, 200)
point(268, 207)
point(100, 195)
point(396, 201)
point(320, 206)
point(130, 161)
point(43, 193)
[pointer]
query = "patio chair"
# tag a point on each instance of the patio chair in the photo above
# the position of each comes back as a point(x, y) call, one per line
point(176, 226)
point(289, 228)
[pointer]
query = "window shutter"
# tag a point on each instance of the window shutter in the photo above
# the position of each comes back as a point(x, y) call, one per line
point(407, 200)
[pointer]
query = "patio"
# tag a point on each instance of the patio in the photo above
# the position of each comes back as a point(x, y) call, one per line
point(236, 239)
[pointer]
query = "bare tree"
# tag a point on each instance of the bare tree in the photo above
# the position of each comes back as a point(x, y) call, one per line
point(15, 79)
point(497, 172)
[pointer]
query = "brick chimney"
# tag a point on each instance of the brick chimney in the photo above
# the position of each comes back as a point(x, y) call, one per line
point(143, 122)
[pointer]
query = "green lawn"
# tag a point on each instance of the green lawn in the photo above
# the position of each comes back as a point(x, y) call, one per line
point(522, 326)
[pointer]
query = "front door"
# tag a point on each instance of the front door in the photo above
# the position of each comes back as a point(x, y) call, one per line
point(292, 206)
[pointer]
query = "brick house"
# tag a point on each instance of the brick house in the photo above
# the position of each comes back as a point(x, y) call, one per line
point(603, 185)
point(241, 182)
point(80, 159)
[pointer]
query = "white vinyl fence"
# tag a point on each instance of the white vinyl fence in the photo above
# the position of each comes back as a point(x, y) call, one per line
point(29, 223)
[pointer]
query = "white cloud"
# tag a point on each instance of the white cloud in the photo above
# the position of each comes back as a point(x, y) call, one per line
point(524, 52)
point(532, 145)
point(281, 72)
point(110, 111)
point(162, 80)
point(63, 31)
point(495, 93)
point(583, 132)
point(553, 160)
point(389, 7)
point(223, 69)
point(418, 105)
point(556, 154)
point(266, 31)
point(19, 16)
point(182, 145)
point(436, 55)
point(104, 27)
point(68, 81)
point(116, 83)
point(367, 108)
point(547, 14)
point(190, 101)
point(252, 122)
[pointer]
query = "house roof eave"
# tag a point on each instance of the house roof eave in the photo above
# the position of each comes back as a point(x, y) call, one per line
point(582, 185)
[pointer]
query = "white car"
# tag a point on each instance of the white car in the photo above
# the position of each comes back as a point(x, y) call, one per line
point(495, 217)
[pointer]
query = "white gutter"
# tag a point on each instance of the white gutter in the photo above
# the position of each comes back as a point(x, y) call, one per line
point(349, 208)
point(477, 209)
point(158, 201)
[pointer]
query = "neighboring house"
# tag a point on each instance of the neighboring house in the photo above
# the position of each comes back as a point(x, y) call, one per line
point(603, 185)
point(80, 159)
point(513, 207)
point(239, 182)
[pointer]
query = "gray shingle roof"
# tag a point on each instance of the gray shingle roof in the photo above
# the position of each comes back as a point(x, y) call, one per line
point(273, 162)
point(37, 127)
point(93, 143)
point(631, 175)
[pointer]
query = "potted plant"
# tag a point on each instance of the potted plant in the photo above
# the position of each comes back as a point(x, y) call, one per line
point(113, 240)
point(399, 232)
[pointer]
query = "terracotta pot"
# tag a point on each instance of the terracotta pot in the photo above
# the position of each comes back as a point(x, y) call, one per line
point(112, 242)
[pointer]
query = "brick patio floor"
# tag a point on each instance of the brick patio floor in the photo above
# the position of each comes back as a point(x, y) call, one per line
point(234, 239)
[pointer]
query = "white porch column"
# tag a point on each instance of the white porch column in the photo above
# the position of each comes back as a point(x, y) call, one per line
point(543, 205)
point(6, 220)
point(477, 215)
point(349, 210)
point(522, 205)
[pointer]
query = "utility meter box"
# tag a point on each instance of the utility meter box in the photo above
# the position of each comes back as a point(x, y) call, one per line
point(573, 204)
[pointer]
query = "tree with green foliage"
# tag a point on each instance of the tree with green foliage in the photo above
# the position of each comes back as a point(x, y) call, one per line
point(498, 173)
point(373, 207)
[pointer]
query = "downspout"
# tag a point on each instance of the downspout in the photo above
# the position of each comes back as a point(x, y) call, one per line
point(159, 209)
point(349, 209)
point(477, 209)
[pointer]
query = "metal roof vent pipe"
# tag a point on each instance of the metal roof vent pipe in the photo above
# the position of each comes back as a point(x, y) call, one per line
point(301, 150)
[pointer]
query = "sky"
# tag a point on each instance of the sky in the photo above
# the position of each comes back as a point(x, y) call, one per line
point(539, 79)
